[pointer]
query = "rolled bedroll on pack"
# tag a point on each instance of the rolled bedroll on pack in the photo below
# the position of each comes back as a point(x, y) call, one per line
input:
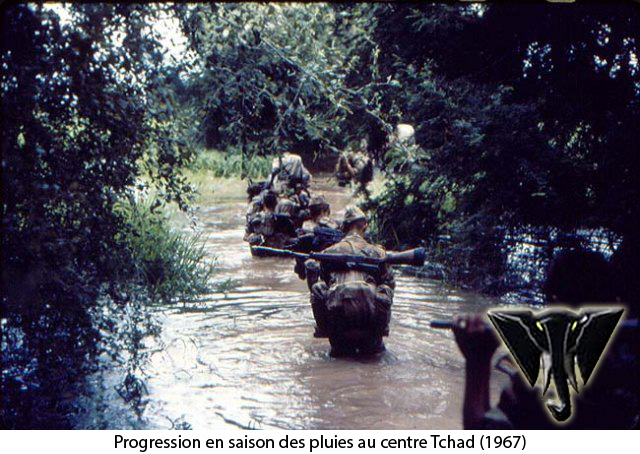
point(317, 239)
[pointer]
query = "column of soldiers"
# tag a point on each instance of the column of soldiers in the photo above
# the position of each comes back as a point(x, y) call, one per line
point(282, 213)
point(352, 305)
point(351, 285)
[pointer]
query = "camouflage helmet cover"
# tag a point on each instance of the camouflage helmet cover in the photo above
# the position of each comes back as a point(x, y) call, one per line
point(353, 214)
point(318, 201)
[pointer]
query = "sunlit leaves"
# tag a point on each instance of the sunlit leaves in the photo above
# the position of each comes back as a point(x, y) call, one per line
point(81, 110)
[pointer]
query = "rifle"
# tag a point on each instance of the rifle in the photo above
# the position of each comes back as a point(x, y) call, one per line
point(254, 189)
point(339, 262)
point(441, 324)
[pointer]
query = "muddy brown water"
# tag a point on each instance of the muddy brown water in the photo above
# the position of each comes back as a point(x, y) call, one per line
point(247, 358)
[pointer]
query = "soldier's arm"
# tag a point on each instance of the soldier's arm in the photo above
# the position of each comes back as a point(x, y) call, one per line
point(350, 169)
point(477, 344)
point(306, 175)
point(312, 271)
point(387, 277)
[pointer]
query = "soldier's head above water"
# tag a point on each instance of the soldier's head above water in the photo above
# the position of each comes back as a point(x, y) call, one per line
point(270, 200)
point(354, 220)
point(319, 207)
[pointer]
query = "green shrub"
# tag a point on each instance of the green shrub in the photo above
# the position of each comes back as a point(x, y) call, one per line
point(232, 164)
point(80, 113)
point(172, 265)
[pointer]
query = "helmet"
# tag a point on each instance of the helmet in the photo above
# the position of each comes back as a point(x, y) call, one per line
point(353, 214)
point(270, 199)
point(318, 201)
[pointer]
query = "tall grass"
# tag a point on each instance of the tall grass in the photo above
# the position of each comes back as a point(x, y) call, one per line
point(173, 265)
point(232, 164)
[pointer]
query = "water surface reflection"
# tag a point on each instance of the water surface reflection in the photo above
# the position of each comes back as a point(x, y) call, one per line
point(247, 358)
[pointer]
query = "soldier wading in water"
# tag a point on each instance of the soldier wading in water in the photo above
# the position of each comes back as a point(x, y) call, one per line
point(351, 307)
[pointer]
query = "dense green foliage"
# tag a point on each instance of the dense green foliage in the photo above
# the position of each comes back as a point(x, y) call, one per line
point(526, 128)
point(172, 265)
point(526, 133)
point(524, 115)
point(225, 165)
point(83, 116)
point(272, 77)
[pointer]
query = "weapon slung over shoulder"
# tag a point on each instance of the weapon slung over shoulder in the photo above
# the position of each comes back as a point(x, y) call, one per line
point(413, 257)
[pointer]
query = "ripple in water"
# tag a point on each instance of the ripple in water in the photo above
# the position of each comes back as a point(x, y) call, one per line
point(247, 358)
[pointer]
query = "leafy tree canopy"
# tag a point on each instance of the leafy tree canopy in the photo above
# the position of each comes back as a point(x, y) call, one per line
point(83, 117)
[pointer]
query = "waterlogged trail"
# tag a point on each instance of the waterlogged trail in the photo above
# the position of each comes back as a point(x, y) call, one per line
point(247, 357)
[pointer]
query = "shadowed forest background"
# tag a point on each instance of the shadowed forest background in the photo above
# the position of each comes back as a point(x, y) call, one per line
point(527, 142)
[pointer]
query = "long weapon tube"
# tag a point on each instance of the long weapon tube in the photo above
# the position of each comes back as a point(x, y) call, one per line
point(412, 257)
point(281, 252)
point(347, 261)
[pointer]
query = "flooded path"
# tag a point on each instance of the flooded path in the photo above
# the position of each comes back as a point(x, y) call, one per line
point(247, 358)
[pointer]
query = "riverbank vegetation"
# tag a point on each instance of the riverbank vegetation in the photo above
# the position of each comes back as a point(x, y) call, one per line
point(524, 139)
point(82, 120)
point(231, 164)
point(171, 265)
point(526, 143)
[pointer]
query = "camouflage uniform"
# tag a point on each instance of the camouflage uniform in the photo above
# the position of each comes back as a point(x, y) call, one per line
point(289, 171)
point(263, 232)
point(317, 232)
point(301, 198)
point(352, 308)
point(354, 165)
point(319, 204)
point(255, 205)
point(292, 210)
point(262, 228)
point(344, 170)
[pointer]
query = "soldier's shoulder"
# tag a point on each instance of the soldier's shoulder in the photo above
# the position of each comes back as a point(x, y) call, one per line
point(339, 248)
point(354, 244)
point(284, 202)
point(373, 250)
point(376, 250)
